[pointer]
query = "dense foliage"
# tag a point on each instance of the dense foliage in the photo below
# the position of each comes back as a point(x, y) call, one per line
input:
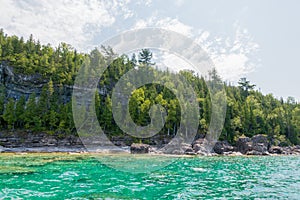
point(249, 112)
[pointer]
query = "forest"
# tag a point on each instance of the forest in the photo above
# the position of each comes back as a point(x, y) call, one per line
point(249, 112)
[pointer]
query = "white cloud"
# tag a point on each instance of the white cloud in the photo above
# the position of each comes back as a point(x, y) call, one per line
point(79, 22)
point(70, 21)
point(167, 23)
point(231, 55)
point(179, 3)
point(173, 62)
point(144, 2)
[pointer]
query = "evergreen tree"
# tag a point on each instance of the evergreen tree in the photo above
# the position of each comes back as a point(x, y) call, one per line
point(9, 114)
point(20, 109)
point(30, 112)
point(145, 57)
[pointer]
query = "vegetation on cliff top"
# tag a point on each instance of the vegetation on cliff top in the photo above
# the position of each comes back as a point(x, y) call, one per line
point(249, 112)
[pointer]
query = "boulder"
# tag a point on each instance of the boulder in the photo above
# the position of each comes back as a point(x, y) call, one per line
point(223, 146)
point(286, 150)
point(244, 145)
point(257, 145)
point(178, 148)
point(187, 148)
point(190, 151)
point(260, 143)
point(201, 147)
point(296, 149)
point(139, 148)
point(260, 139)
point(199, 141)
point(276, 150)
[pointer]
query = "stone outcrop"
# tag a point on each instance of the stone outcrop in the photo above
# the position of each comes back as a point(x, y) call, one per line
point(257, 145)
point(223, 147)
point(139, 148)
point(31, 140)
point(244, 144)
point(276, 150)
point(289, 150)
point(201, 147)
point(43, 142)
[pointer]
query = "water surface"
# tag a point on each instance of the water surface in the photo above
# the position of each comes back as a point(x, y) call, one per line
point(63, 176)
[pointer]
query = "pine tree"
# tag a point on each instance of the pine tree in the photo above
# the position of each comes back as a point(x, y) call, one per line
point(20, 109)
point(145, 57)
point(30, 112)
point(9, 114)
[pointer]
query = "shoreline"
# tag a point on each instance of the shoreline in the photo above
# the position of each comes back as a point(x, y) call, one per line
point(81, 151)
point(258, 145)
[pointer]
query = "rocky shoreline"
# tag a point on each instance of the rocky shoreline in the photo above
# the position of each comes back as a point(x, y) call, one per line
point(45, 143)
point(257, 145)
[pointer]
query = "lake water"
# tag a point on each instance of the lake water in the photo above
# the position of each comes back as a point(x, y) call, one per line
point(63, 176)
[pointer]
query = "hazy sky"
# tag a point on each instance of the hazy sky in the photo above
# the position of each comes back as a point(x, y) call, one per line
point(256, 39)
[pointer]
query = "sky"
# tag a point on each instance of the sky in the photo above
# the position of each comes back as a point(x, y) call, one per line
point(244, 38)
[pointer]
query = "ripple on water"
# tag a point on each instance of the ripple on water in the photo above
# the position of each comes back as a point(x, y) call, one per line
point(186, 178)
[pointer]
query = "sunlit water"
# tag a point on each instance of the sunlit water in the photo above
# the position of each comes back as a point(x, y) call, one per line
point(63, 176)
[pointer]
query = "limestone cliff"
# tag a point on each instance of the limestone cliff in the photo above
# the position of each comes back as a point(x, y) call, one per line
point(17, 84)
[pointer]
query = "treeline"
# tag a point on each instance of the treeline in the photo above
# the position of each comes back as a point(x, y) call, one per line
point(249, 112)
point(29, 57)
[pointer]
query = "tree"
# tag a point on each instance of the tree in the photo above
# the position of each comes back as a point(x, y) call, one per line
point(30, 112)
point(20, 109)
point(245, 86)
point(249, 112)
point(145, 57)
point(42, 106)
point(133, 59)
point(9, 114)
point(107, 114)
point(294, 137)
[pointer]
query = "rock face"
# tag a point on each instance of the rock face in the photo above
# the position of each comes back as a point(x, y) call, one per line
point(31, 140)
point(18, 85)
point(139, 148)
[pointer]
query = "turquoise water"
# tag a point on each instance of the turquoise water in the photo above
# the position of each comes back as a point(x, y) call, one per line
point(63, 176)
